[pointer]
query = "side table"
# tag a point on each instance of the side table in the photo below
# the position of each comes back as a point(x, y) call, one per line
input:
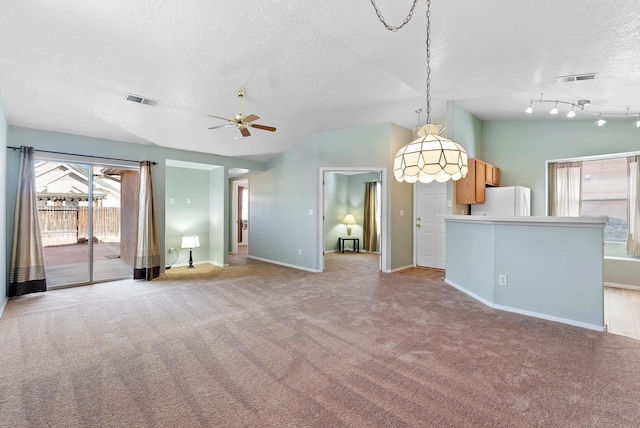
point(356, 243)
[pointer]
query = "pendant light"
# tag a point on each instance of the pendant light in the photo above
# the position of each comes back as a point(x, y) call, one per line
point(429, 157)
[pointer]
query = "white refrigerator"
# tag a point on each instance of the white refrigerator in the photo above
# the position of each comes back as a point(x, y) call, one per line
point(504, 202)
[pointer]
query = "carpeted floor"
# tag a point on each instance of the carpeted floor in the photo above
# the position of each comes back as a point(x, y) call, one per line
point(259, 345)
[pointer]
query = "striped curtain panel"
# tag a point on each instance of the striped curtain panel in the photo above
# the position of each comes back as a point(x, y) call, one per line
point(633, 206)
point(147, 250)
point(26, 272)
point(369, 225)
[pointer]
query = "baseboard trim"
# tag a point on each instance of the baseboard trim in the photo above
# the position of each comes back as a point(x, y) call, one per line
point(469, 293)
point(3, 305)
point(399, 268)
point(526, 312)
point(284, 264)
point(625, 286)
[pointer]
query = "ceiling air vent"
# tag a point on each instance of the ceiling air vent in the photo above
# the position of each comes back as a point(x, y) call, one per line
point(576, 77)
point(142, 100)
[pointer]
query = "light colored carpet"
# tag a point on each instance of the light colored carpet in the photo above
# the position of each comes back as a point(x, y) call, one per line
point(259, 345)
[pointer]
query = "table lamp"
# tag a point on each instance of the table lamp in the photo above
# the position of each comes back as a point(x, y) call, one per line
point(190, 242)
point(349, 220)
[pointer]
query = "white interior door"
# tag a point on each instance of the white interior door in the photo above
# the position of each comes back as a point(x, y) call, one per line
point(431, 204)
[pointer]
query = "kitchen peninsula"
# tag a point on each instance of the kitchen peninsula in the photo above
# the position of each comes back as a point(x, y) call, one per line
point(545, 267)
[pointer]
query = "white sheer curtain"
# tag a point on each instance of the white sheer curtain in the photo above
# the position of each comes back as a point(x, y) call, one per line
point(565, 189)
point(633, 205)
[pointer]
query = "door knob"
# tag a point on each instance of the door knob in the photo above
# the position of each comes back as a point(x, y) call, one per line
point(418, 225)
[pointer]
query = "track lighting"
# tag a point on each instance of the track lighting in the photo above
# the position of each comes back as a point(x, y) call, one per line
point(581, 108)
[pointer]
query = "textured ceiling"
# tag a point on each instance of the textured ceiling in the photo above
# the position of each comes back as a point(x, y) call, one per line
point(307, 66)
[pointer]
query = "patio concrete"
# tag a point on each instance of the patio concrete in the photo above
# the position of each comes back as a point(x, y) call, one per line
point(69, 264)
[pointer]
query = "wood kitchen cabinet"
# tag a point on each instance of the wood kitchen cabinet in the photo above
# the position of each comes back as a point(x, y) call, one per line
point(491, 175)
point(471, 189)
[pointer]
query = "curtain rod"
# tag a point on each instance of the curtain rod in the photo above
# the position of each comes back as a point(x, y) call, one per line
point(75, 154)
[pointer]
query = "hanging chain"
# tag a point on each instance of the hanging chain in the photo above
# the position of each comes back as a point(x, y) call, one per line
point(428, 61)
point(389, 27)
point(428, 44)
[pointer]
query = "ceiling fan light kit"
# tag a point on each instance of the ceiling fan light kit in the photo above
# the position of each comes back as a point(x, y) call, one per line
point(242, 122)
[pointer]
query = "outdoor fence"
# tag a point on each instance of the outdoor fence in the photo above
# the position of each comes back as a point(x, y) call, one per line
point(65, 225)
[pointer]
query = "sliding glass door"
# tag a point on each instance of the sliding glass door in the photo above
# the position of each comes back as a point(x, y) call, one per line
point(81, 219)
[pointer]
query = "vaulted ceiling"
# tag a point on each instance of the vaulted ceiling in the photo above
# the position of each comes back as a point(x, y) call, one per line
point(306, 65)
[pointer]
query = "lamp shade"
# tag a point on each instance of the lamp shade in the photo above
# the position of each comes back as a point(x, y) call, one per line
point(348, 219)
point(430, 157)
point(190, 241)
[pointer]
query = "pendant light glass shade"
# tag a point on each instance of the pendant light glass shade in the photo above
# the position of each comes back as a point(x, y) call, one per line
point(430, 157)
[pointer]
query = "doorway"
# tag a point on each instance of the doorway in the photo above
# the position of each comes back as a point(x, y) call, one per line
point(87, 226)
point(240, 212)
point(431, 205)
point(343, 194)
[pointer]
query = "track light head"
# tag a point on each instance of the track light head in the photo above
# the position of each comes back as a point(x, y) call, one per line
point(601, 121)
point(554, 110)
point(572, 113)
point(530, 108)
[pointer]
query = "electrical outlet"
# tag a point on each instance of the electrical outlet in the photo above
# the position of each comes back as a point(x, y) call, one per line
point(172, 250)
point(502, 279)
point(299, 251)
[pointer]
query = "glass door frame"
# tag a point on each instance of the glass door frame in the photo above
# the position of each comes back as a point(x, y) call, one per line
point(88, 163)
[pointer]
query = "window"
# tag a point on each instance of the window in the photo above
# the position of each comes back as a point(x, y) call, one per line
point(604, 193)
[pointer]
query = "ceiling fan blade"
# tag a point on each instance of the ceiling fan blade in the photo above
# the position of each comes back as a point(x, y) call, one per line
point(250, 118)
point(220, 126)
point(264, 127)
point(218, 117)
point(245, 132)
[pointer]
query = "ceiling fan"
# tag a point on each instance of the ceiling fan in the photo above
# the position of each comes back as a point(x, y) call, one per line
point(243, 123)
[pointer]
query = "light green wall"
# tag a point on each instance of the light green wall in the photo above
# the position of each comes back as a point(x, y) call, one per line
point(88, 146)
point(196, 217)
point(553, 272)
point(336, 194)
point(465, 129)
point(281, 229)
point(400, 208)
point(283, 196)
point(3, 203)
point(218, 218)
point(520, 148)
